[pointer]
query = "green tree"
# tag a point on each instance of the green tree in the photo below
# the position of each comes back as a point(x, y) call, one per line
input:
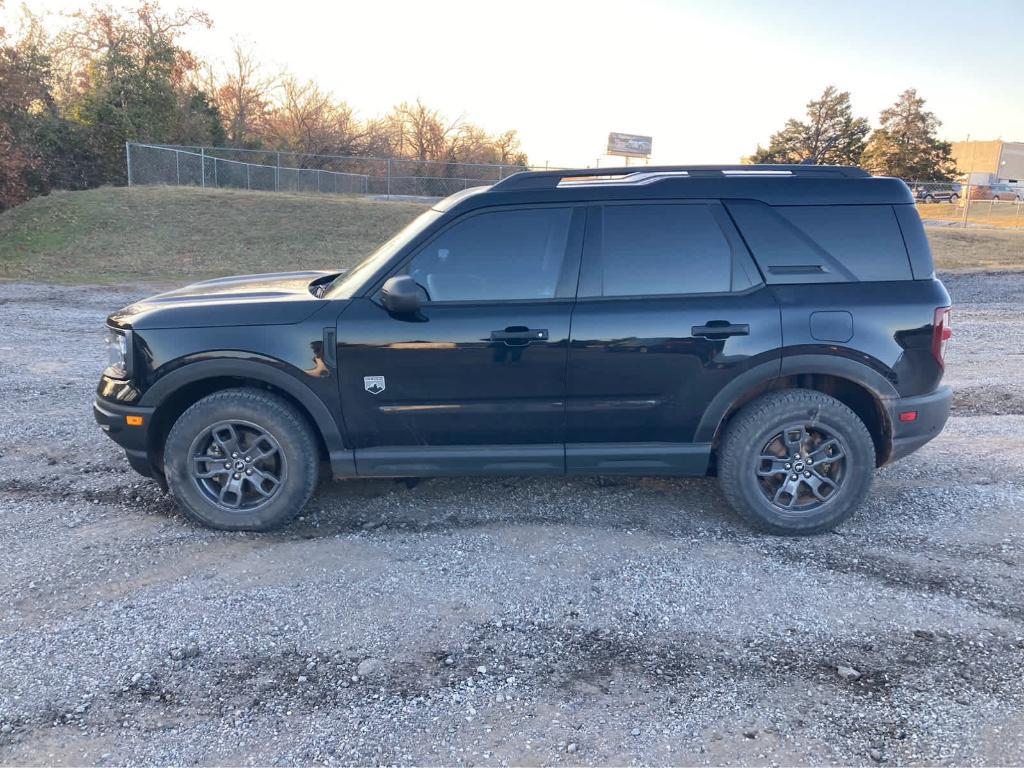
point(139, 85)
point(831, 135)
point(26, 107)
point(906, 146)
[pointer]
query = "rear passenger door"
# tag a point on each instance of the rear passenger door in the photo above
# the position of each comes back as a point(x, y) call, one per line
point(669, 311)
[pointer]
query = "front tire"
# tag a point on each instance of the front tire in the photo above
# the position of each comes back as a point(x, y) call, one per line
point(796, 462)
point(241, 460)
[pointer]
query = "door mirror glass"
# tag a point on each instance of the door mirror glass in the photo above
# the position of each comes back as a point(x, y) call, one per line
point(401, 295)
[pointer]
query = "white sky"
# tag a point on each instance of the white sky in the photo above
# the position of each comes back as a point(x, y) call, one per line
point(708, 80)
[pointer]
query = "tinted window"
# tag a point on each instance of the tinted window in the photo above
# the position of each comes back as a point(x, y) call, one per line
point(865, 239)
point(823, 243)
point(514, 254)
point(663, 249)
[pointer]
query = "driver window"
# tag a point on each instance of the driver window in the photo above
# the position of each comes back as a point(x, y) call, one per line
point(502, 255)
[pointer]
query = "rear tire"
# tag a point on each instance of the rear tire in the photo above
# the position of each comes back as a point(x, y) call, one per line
point(241, 460)
point(796, 462)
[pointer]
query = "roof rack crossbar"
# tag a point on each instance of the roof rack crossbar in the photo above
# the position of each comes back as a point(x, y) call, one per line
point(647, 174)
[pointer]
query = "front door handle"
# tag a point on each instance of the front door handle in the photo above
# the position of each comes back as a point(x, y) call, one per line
point(519, 335)
point(720, 329)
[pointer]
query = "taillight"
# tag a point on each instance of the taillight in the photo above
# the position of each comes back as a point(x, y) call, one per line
point(941, 333)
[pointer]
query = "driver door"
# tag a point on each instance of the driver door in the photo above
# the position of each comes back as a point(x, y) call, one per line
point(476, 380)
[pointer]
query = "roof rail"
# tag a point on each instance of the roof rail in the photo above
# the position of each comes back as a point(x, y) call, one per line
point(650, 174)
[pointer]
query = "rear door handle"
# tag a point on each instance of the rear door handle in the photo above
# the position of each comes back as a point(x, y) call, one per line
point(519, 335)
point(720, 329)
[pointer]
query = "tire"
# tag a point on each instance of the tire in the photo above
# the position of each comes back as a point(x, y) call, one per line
point(929, 199)
point(954, 198)
point(752, 485)
point(265, 485)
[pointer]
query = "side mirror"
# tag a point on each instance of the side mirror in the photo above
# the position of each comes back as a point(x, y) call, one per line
point(401, 295)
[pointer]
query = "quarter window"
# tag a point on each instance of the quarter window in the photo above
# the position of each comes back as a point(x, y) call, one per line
point(502, 255)
point(663, 249)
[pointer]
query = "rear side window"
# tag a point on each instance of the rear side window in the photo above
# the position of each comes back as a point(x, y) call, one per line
point(823, 243)
point(662, 249)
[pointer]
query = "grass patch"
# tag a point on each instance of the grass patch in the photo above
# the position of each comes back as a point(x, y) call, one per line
point(181, 234)
point(985, 213)
point(118, 235)
point(976, 249)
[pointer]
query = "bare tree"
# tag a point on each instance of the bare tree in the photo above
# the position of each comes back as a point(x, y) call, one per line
point(243, 99)
point(423, 133)
point(306, 119)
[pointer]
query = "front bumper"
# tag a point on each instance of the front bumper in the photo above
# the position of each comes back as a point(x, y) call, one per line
point(113, 419)
point(932, 412)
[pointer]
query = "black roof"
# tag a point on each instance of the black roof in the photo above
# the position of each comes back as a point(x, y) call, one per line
point(772, 184)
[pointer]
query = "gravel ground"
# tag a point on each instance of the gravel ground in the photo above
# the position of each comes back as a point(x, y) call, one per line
point(506, 621)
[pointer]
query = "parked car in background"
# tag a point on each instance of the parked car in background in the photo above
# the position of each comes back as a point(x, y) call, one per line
point(998, 192)
point(937, 193)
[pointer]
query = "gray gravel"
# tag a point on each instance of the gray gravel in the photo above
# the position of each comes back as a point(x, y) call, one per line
point(506, 621)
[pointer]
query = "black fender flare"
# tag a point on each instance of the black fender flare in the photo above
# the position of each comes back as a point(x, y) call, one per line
point(881, 388)
point(269, 371)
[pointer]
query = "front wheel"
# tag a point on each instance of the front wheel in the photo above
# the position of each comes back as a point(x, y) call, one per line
point(241, 460)
point(796, 462)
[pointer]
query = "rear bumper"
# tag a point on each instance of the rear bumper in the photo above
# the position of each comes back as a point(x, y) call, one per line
point(932, 412)
point(112, 418)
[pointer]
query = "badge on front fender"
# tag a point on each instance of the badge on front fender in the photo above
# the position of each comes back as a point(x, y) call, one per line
point(373, 384)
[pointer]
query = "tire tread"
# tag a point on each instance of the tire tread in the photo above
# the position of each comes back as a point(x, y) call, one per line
point(751, 419)
point(297, 427)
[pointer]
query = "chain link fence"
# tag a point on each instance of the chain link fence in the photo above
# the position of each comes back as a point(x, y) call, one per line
point(941, 203)
point(960, 204)
point(268, 170)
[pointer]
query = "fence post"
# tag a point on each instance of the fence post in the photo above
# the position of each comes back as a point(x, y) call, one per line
point(216, 181)
point(202, 164)
point(177, 167)
point(128, 159)
point(389, 178)
point(247, 185)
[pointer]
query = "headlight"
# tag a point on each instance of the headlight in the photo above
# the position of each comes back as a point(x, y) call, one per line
point(117, 354)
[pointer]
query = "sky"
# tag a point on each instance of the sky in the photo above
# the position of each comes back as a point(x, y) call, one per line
point(708, 80)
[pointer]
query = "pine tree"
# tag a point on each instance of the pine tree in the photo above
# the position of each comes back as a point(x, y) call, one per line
point(906, 145)
point(831, 135)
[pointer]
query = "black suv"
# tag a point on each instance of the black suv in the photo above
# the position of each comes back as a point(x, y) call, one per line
point(779, 326)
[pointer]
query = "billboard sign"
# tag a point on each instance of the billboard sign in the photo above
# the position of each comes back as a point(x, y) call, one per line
point(629, 145)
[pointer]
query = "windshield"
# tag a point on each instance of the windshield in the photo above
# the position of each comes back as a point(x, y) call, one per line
point(350, 284)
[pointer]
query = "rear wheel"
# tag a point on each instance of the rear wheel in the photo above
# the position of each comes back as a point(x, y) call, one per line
point(796, 462)
point(241, 460)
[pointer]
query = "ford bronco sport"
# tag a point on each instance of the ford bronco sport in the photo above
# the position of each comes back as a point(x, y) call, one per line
point(780, 327)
